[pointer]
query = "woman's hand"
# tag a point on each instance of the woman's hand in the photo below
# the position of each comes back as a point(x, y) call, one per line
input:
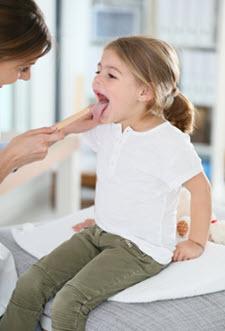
point(80, 226)
point(187, 250)
point(32, 145)
point(82, 124)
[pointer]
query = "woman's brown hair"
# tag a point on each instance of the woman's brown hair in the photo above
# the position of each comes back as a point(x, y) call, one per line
point(23, 32)
point(155, 63)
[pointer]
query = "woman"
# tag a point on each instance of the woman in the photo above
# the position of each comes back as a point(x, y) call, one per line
point(24, 37)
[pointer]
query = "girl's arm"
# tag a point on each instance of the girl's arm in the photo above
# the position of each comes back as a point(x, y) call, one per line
point(201, 211)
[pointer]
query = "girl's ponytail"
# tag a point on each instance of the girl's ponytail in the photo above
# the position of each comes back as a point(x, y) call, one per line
point(180, 112)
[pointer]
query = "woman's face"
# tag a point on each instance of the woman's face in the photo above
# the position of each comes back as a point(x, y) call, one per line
point(11, 71)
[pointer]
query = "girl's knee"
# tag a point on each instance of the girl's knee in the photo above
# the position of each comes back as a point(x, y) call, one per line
point(30, 288)
point(68, 304)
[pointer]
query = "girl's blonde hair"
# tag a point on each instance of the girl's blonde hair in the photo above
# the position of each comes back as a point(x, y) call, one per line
point(155, 63)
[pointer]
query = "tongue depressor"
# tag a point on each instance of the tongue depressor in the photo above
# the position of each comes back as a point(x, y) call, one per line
point(72, 118)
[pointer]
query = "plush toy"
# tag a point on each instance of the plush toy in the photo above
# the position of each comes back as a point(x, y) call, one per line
point(217, 232)
point(217, 228)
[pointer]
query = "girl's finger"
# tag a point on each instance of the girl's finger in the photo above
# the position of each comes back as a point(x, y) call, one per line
point(55, 136)
point(175, 255)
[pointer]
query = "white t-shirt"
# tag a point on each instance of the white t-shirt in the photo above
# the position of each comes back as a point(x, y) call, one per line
point(139, 181)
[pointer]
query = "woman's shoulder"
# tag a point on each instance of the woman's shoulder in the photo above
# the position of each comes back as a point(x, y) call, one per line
point(3, 145)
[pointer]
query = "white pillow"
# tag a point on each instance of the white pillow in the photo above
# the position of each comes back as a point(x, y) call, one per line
point(203, 275)
point(194, 277)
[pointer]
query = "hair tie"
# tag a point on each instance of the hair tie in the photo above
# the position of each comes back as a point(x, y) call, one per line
point(170, 100)
point(176, 92)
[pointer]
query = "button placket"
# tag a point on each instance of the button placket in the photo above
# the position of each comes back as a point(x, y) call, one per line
point(115, 154)
point(119, 140)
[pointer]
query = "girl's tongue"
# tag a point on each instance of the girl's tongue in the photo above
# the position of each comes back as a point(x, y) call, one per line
point(100, 107)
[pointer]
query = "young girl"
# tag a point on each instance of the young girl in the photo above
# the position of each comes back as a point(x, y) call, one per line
point(144, 155)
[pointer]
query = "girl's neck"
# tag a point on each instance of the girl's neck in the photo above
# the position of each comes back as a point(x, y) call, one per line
point(146, 123)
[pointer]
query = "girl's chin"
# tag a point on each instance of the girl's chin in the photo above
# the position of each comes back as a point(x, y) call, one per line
point(105, 120)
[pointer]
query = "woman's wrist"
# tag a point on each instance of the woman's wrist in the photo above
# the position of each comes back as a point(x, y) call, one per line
point(7, 163)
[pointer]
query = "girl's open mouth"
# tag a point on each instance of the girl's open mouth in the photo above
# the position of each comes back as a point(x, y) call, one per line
point(100, 106)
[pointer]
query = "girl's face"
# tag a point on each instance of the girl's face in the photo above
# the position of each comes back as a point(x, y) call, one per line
point(11, 71)
point(117, 91)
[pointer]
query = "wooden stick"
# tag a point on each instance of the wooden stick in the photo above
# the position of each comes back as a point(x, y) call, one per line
point(72, 118)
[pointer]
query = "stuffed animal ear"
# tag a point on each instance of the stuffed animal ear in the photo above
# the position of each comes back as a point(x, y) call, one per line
point(217, 231)
point(184, 205)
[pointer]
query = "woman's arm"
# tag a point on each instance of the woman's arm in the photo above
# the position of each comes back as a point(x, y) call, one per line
point(5, 165)
point(201, 211)
point(26, 148)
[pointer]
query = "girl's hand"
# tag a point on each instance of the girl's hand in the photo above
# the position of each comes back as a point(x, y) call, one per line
point(82, 124)
point(32, 145)
point(82, 225)
point(187, 250)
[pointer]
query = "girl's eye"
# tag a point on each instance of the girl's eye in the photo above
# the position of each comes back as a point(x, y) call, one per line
point(112, 76)
point(24, 69)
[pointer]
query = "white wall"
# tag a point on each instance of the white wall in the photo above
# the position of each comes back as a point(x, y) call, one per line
point(74, 51)
point(6, 106)
point(43, 77)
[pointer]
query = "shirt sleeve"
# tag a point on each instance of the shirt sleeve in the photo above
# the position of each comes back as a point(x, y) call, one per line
point(184, 164)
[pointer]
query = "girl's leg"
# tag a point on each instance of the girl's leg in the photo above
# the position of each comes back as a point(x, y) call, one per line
point(44, 279)
point(38, 328)
point(117, 267)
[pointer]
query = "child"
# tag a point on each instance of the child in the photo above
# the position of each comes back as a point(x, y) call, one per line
point(144, 155)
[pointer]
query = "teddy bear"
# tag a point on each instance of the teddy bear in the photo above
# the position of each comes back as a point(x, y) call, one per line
point(217, 227)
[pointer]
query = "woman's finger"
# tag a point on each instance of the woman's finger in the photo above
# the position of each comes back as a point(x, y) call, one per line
point(44, 130)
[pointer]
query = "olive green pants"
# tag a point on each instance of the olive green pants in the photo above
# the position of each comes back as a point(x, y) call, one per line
point(81, 273)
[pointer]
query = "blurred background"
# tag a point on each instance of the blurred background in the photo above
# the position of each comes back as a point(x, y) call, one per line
point(61, 85)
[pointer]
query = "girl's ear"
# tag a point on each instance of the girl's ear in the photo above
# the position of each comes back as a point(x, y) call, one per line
point(146, 94)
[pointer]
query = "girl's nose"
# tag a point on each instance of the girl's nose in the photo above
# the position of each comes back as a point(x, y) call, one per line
point(98, 79)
